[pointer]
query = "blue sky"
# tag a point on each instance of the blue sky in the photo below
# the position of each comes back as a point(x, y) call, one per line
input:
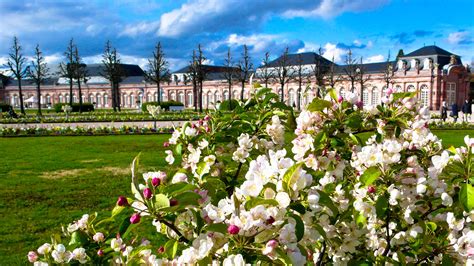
point(371, 28)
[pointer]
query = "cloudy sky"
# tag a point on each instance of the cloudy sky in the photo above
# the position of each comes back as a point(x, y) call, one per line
point(370, 28)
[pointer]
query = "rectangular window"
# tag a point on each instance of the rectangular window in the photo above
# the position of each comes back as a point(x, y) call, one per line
point(451, 93)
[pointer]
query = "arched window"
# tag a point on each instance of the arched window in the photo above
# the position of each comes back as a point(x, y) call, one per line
point(124, 100)
point(190, 98)
point(140, 98)
point(342, 92)
point(83, 98)
point(132, 100)
point(48, 99)
point(411, 88)
point(91, 98)
point(235, 94)
point(398, 88)
point(148, 97)
point(375, 96)
point(15, 100)
point(365, 97)
point(155, 96)
point(216, 97)
point(106, 100)
point(181, 97)
point(42, 102)
point(451, 93)
point(98, 100)
point(74, 98)
point(291, 97)
point(210, 98)
point(226, 95)
point(163, 96)
point(173, 96)
point(61, 98)
point(424, 96)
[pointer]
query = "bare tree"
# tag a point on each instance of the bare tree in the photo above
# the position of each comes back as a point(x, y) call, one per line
point(266, 73)
point(229, 75)
point(299, 78)
point(113, 72)
point(201, 73)
point(331, 77)
point(362, 78)
point(283, 72)
point(66, 69)
point(389, 72)
point(16, 62)
point(158, 68)
point(245, 67)
point(80, 75)
point(38, 73)
point(319, 70)
point(193, 70)
point(350, 69)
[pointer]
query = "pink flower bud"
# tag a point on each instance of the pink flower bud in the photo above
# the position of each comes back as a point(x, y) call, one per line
point(100, 253)
point(147, 193)
point(161, 249)
point(233, 229)
point(340, 99)
point(166, 144)
point(135, 218)
point(272, 243)
point(173, 202)
point(389, 91)
point(359, 104)
point(270, 220)
point(155, 181)
point(32, 256)
point(207, 118)
point(98, 237)
point(193, 126)
point(371, 189)
point(122, 201)
point(208, 129)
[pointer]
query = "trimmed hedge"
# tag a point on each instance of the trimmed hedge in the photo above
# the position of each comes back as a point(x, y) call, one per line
point(164, 105)
point(86, 107)
point(4, 107)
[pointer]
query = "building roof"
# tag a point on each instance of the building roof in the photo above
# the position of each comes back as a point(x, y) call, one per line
point(378, 67)
point(429, 50)
point(130, 70)
point(308, 58)
point(212, 72)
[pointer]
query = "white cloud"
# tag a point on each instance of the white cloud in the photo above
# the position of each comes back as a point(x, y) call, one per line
point(259, 42)
point(331, 51)
point(374, 59)
point(459, 37)
point(133, 30)
point(333, 8)
point(310, 47)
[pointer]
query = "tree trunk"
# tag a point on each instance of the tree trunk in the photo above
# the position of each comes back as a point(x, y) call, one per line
point(114, 105)
point(22, 107)
point(80, 95)
point(242, 91)
point(282, 92)
point(299, 95)
point(230, 96)
point(38, 93)
point(117, 94)
point(70, 92)
point(158, 90)
point(200, 96)
point(195, 95)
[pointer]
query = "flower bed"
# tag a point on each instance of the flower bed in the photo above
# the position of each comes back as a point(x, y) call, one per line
point(81, 131)
point(101, 117)
point(238, 193)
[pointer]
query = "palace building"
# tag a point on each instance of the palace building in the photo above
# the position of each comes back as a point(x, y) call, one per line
point(436, 74)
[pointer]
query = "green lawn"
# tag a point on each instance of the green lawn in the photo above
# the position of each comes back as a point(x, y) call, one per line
point(49, 181)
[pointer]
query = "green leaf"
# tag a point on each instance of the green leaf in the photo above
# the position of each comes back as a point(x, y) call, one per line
point(177, 188)
point(298, 207)
point(325, 200)
point(178, 149)
point(258, 201)
point(354, 120)
point(466, 197)
point(401, 95)
point(171, 247)
point(299, 227)
point(370, 175)
point(283, 257)
point(332, 93)
point(218, 227)
point(381, 206)
point(117, 209)
point(361, 220)
point(264, 236)
point(78, 238)
point(290, 176)
point(161, 201)
point(188, 198)
point(431, 226)
point(318, 105)
point(124, 225)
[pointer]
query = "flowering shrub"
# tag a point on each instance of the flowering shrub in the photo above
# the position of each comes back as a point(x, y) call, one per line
point(240, 194)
